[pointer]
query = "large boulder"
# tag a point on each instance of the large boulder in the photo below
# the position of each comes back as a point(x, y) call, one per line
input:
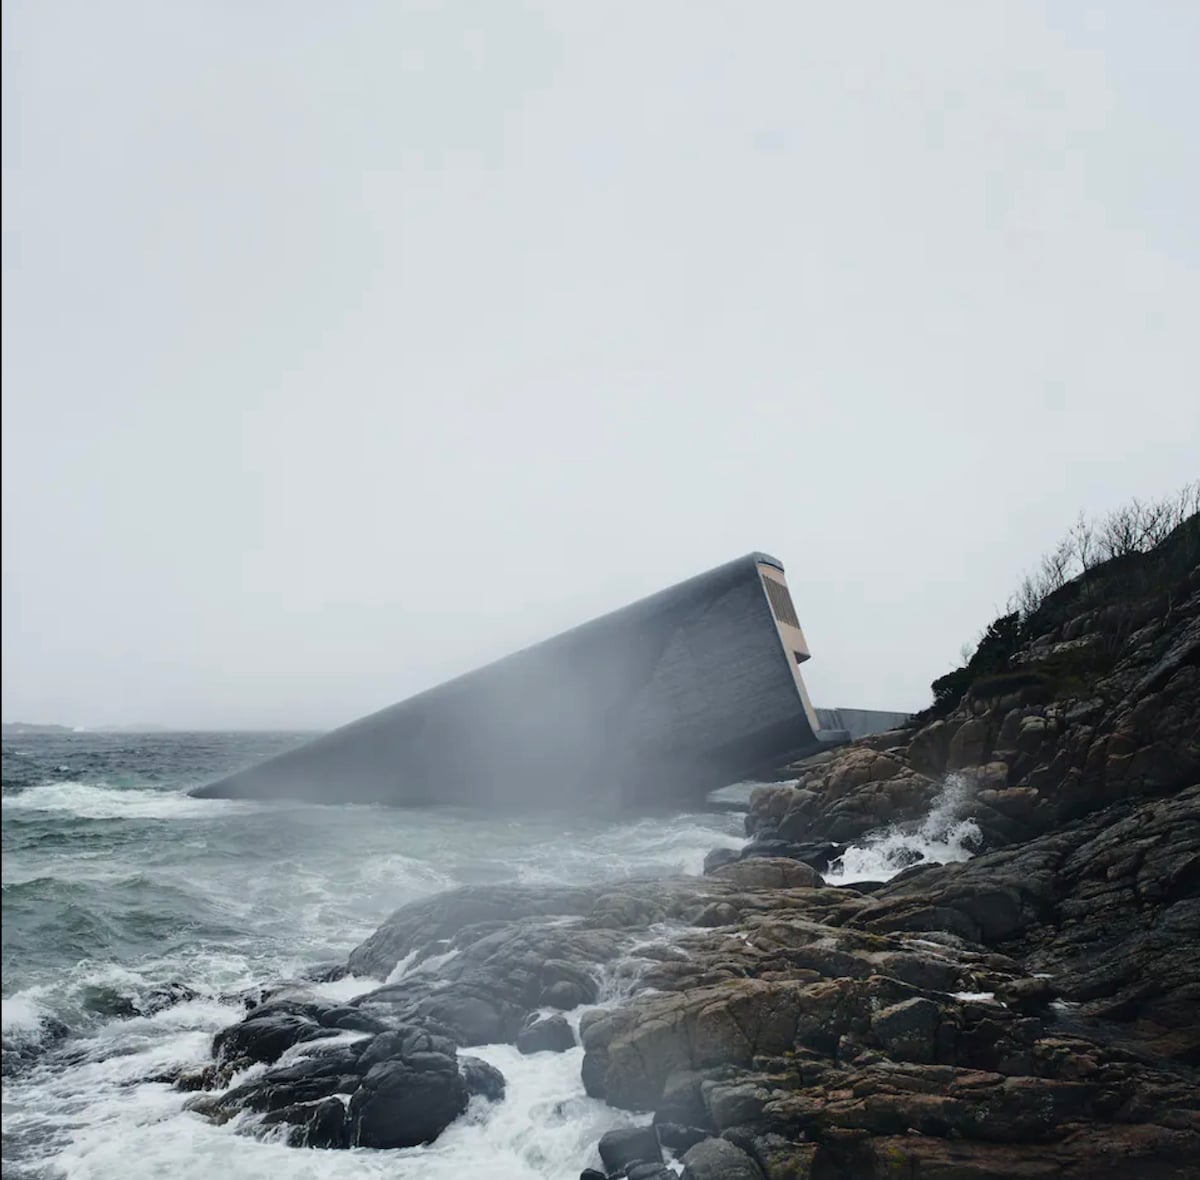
point(718, 1159)
point(550, 1034)
point(482, 1079)
point(407, 1101)
point(817, 854)
point(908, 1031)
point(317, 1124)
point(629, 1145)
point(770, 873)
point(719, 857)
point(267, 1033)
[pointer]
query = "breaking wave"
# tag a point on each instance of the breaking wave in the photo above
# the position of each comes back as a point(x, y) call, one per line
point(945, 835)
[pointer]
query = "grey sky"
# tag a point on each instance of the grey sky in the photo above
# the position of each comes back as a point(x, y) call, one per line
point(348, 346)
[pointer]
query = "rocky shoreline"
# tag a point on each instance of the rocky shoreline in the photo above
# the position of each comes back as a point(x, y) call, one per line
point(1033, 1011)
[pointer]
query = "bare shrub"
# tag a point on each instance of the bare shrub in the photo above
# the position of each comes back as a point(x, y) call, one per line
point(1136, 527)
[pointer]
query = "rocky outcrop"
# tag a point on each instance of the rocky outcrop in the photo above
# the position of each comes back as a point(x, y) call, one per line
point(1030, 1012)
point(395, 1088)
point(546, 1034)
point(1097, 704)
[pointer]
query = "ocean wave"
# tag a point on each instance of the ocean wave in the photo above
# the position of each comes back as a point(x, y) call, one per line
point(942, 837)
point(23, 1014)
point(102, 801)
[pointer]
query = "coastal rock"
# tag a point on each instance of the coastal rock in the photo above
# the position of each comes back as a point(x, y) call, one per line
point(817, 854)
point(1027, 1012)
point(395, 1089)
point(770, 873)
point(566, 985)
point(1097, 1153)
point(719, 857)
point(268, 1032)
point(629, 1145)
point(549, 1034)
point(482, 1079)
point(908, 1031)
point(1106, 908)
point(407, 1101)
point(535, 950)
point(318, 1124)
point(678, 1137)
point(718, 1159)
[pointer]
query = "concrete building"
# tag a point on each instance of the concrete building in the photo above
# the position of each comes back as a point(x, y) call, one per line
point(659, 702)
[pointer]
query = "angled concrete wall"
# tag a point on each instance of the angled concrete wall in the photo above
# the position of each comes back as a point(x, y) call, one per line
point(667, 698)
point(856, 723)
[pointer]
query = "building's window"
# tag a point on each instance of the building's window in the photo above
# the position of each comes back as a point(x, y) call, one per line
point(781, 602)
point(800, 657)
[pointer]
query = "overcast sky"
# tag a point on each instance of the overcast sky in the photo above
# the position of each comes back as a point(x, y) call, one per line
point(349, 346)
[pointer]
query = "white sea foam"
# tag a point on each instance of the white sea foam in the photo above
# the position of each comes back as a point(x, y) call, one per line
point(342, 991)
point(946, 834)
point(271, 889)
point(99, 801)
point(105, 1121)
point(544, 1129)
point(22, 1014)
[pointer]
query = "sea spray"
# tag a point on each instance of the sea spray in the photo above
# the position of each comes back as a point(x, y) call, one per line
point(119, 886)
point(946, 834)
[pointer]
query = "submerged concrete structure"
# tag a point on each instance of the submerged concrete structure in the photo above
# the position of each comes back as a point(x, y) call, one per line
point(690, 689)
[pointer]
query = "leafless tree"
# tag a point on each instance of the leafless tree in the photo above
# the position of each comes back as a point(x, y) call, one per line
point(1135, 527)
point(1083, 539)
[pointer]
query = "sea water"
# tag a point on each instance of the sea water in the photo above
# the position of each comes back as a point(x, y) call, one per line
point(117, 884)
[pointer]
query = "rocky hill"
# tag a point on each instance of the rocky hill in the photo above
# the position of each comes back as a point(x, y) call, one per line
point(1033, 1011)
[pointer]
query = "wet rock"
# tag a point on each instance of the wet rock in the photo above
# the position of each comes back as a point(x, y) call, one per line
point(1027, 995)
point(682, 1099)
point(563, 995)
point(649, 1171)
point(566, 985)
point(678, 1137)
point(718, 1159)
point(403, 1042)
point(782, 1158)
point(769, 873)
point(908, 1031)
point(482, 1079)
point(817, 854)
point(628, 1145)
point(350, 1020)
point(476, 1019)
point(1104, 1153)
point(417, 925)
point(719, 857)
point(405, 1102)
point(735, 1103)
point(497, 972)
point(328, 972)
point(548, 1034)
point(165, 996)
point(294, 1086)
point(265, 1035)
point(318, 1125)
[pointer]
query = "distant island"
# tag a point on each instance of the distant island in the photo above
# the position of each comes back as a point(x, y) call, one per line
point(22, 728)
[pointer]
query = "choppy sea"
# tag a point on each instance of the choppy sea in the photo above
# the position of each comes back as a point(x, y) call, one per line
point(118, 887)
